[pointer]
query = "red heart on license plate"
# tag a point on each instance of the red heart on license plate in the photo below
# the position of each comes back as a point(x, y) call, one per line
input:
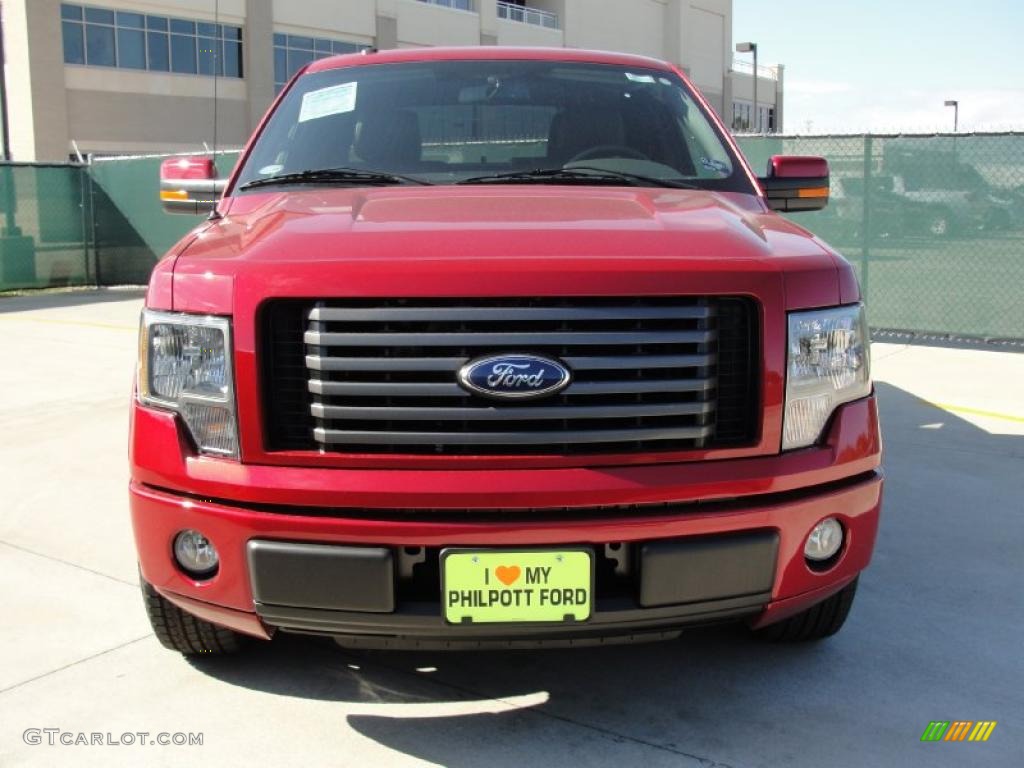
point(507, 574)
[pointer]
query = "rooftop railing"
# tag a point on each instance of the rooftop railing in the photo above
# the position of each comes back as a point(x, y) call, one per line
point(527, 15)
point(744, 66)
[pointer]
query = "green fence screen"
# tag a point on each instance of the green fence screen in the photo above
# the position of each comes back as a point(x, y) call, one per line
point(44, 226)
point(132, 229)
point(934, 225)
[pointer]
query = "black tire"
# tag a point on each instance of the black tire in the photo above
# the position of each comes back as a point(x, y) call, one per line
point(817, 622)
point(183, 632)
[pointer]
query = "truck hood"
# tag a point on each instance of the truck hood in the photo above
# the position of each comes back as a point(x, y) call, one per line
point(508, 240)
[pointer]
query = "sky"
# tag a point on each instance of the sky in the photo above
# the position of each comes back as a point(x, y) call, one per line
point(884, 66)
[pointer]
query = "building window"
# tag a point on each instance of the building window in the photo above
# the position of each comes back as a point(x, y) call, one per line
point(461, 5)
point(99, 37)
point(742, 116)
point(293, 52)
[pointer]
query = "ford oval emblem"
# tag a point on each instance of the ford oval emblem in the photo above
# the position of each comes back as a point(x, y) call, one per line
point(514, 377)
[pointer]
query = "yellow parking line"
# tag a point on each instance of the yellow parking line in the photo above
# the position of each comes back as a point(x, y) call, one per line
point(83, 323)
point(978, 412)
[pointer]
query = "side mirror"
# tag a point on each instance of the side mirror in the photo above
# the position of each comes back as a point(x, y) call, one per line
point(796, 183)
point(189, 184)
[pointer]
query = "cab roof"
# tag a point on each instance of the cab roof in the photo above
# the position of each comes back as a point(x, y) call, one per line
point(486, 53)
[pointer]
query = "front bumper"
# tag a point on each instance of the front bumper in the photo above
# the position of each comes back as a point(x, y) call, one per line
point(234, 505)
point(228, 598)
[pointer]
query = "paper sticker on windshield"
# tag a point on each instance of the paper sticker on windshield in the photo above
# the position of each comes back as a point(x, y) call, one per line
point(333, 100)
point(710, 164)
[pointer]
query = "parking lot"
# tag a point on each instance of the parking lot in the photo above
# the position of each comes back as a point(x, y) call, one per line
point(935, 633)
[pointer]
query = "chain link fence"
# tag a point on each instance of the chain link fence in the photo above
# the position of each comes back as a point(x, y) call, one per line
point(933, 224)
point(45, 227)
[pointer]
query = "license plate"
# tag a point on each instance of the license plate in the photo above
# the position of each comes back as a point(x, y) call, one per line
point(516, 586)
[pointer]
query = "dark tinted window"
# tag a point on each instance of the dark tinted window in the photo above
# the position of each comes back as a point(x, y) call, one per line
point(99, 46)
point(99, 16)
point(183, 54)
point(131, 49)
point(131, 20)
point(232, 58)
point(143, 42)
point(74, 43)
point(159, 52)
point(209, 57)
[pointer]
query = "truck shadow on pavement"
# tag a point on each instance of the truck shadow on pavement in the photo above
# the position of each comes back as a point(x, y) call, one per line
point(717, 697)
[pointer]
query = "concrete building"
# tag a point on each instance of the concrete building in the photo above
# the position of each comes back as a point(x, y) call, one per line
point(132, 76)
point(768, 115)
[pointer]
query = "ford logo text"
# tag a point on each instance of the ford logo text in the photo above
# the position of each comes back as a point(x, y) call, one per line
point(514, 377)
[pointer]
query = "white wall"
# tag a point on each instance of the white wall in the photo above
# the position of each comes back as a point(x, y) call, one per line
point(705, 41)
point(517, 33)
point(18, 74)
point(743, 88)
point(634, 27)
point(427, 24)
point(328, 17)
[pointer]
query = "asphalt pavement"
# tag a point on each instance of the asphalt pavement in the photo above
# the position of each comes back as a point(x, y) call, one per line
point(935, 632)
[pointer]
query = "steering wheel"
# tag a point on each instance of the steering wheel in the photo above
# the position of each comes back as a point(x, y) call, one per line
point(608, 150)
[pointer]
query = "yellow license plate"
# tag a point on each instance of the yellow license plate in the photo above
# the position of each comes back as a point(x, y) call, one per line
point(505, 587)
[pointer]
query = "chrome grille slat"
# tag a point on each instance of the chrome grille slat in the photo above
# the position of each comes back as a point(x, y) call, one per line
point(533, 437)
point(508, 314)
point(505, 340)
point(633, 362)
point(443, 389)
point(519, 413)
point(394, 364)
point(381, 374)
point(389, 364)
point(384, 388)
point(640, 387)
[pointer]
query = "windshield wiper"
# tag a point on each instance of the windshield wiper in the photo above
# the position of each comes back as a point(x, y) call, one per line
point(576, 175)
point(335, 176)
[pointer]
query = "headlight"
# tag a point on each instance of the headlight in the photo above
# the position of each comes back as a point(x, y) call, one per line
point(185, 365)
point(829, 363)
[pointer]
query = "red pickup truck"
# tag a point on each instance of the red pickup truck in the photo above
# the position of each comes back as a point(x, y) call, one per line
point(499, 347)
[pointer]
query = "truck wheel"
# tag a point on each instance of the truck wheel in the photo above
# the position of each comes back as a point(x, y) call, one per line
point(183, 632)
point(817, 622)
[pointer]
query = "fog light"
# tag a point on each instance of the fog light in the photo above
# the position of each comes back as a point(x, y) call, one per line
point(195, 554)
point(825, 540)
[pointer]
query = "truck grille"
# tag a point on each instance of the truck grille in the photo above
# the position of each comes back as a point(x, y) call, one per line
point(378, 376)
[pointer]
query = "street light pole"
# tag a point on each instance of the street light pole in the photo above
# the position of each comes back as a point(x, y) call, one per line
point(752, 48)
point(956, 112)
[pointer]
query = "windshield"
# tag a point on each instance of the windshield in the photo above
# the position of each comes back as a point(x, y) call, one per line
point(448, 122)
